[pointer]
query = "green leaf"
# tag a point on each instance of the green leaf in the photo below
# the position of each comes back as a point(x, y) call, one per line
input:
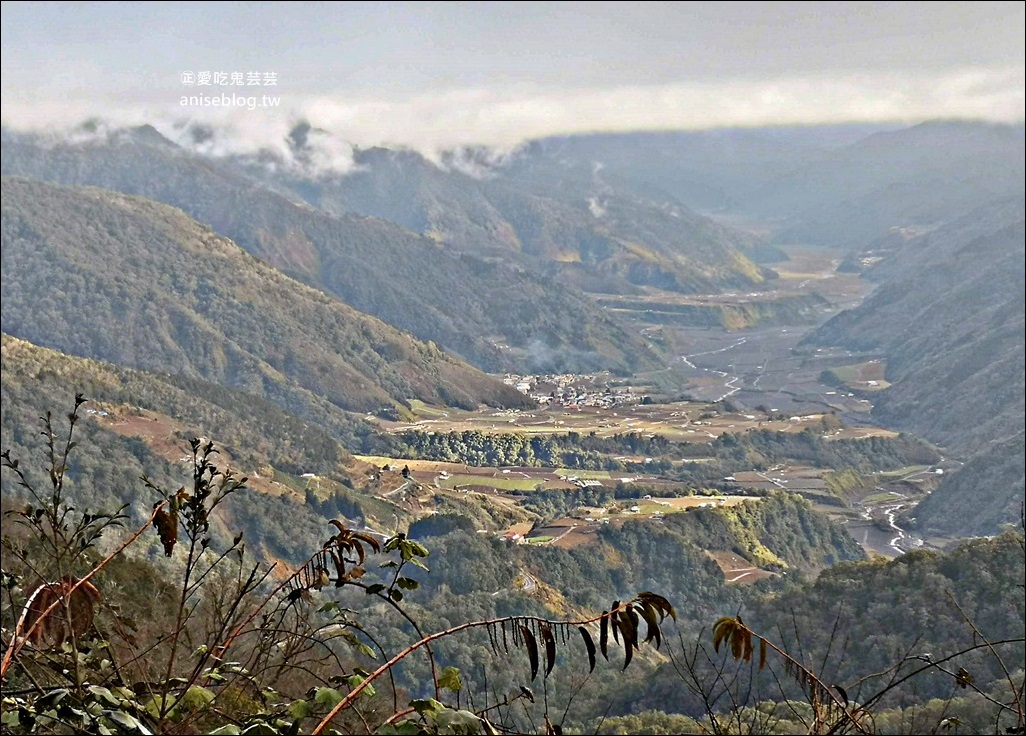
point(458, 721)
point(229, 729)
point(105, 695)
point(299, 709)
point(407, 583)
point(418, 549)
point(328, 697)
point(355, 681)
point(376, 588)
point(51, 699)
point(426, 706)
point(261, 728)
point(450, 679)
point(129, 722)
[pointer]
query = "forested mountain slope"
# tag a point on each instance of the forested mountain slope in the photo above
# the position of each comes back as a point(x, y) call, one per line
point(104, 275)
point(949, 317)
point(556, 217)
point(856, 622)
point(498, 316)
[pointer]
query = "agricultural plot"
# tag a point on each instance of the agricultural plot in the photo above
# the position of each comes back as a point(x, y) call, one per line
point(684, 421)
point(867, 376)
point(572, 531)
point(163, 436)
point(736, 569)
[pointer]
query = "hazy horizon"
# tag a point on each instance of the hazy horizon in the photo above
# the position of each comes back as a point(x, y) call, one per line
point(438, 76)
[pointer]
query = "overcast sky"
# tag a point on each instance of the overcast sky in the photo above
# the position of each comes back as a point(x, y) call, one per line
point(434, 75)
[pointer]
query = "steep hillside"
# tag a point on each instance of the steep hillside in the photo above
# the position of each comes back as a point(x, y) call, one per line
point(560, 218)
point(103, 275)
point(136, 424)
point(861, 618)
point(988, 490)
point(252, 431)
point(496, 315)
point(949, 317)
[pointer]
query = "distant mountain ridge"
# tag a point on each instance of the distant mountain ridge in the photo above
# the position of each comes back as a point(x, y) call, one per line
point(557, 218)
point(835, 185)
point(498, 316)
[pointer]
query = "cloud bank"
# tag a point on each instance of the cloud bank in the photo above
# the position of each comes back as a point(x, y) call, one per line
point(503, 118)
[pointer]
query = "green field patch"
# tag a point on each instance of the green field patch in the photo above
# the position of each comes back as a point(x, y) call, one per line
point(866, 376)
point(503, 483)
point(378, 460)
point(902, 472)
point(420, 466)
point(587, 474)
point(424, 411)
point(881, 497)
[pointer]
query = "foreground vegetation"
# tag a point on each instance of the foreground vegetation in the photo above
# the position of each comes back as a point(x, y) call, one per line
point(199, 635)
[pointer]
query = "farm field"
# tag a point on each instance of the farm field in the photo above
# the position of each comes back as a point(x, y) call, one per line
point(684, 421)
point(736, 569)
point(867, 376)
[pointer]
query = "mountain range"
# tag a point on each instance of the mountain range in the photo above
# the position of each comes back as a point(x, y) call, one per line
point(841, 186)
point(402, 277)
point(948, 315)
point(498, 315)
point(559, 219)
point(104, 275)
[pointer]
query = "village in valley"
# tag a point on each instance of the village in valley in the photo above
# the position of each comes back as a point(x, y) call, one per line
point(572, 390)
point(789, 396)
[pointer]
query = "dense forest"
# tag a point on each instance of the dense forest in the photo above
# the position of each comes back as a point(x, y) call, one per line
point(727, 453)
point(214, 312)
